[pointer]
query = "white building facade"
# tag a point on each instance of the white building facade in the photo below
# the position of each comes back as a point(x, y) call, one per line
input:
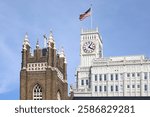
point(112, 76)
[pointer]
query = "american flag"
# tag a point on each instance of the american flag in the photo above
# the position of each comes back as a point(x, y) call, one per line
point(86, 14)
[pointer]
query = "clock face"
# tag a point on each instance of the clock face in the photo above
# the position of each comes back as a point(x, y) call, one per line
point(88, 47)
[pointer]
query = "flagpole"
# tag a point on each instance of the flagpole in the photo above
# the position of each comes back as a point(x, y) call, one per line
point(91, 17)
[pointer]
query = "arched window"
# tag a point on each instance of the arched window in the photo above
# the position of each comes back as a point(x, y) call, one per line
point(37, 92)
point(58, 96)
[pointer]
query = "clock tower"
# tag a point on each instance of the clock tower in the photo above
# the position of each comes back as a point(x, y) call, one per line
point(91, 47)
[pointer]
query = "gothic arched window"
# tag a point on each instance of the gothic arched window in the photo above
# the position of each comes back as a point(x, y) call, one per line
point(58, 96)
point(37, 92)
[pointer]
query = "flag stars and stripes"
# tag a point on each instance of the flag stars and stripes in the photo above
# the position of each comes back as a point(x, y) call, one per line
point(86, 14)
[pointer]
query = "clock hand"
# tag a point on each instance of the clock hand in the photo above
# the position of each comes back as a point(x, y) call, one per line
point(90, 45)
point(91, 48)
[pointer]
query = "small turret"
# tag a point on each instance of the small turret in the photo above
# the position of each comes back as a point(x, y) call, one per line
point(51, 51)
point(26, 42)
point(51, 37)
point(63, 63)
point(37, 51)
point(37, 44)
point(51, 42)
point(62, 53)
point(25, 51)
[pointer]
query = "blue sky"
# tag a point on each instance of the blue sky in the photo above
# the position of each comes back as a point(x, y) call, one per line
point(123, 24)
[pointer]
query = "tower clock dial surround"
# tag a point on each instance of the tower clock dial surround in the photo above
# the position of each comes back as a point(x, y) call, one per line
point(89, 47)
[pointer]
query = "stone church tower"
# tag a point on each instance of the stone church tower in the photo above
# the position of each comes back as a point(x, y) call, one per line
point(43, 75)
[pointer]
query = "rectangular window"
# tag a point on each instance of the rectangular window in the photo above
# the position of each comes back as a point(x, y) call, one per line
point(116, 76)
point(128, 74)
point(145, 87)
point(100, 79)
point(111, 76)
point(100, 88)
point(87, 82)
point(138, 86)
point(133, 86)
point(105, 77)
point(138, 74)
point(82, 82)
point(100, 75)
point(133, 74)
point(111, 88)
point(116, 87)
point(105, 88)
point(95, 88)
point(145, 75)
point(128, 86)
point(121, 76)
point(95, 77)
